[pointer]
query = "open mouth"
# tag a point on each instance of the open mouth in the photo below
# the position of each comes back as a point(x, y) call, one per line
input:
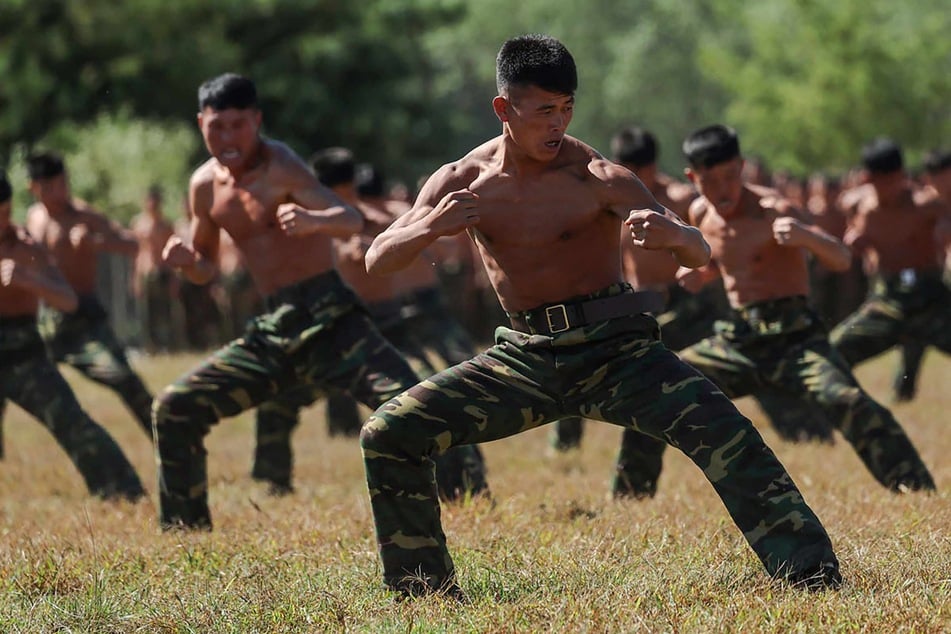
point(230, 155)
point(553, 145)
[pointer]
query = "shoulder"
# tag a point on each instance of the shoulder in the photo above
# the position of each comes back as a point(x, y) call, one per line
point(697, 210)
point(203, 176)
point(282, 157)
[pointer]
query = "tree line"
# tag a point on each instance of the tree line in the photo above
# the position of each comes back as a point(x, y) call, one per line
point(407, 83)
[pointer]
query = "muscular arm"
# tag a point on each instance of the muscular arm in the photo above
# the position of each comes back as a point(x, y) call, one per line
point(35, 271)
point(653, 226)
point(444, 207)
point(198, 261)
point(315, 208)
point(791, 228)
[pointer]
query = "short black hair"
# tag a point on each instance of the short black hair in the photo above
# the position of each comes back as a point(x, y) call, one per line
point(937, 161)
point(227, 91)
point(334, 166)
point(369, 181)
point(6, 191)
point(44, 165)
point(711, 145)
point(882, 156)
point(536, 60)
point(634, 146)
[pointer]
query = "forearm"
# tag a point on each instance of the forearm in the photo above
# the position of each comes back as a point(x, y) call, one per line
point(395, 249)
point(340, 221)
point(831, 253)
point(694, 252)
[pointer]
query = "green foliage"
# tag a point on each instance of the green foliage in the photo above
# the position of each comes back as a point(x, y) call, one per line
point(113, 160)
point(407, 83)
point(812, 81)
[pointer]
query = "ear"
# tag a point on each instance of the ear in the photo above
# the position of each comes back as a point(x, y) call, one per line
point(258, 118)
point(198, 120)
point(691, 175)
point(501, 107)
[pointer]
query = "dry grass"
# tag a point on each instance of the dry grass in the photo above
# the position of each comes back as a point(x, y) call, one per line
point(553, 555)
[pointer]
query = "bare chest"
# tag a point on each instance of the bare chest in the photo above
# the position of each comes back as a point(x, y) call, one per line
point(887, 230)
point(246, 212)
point(552, 209)
point(739, 241)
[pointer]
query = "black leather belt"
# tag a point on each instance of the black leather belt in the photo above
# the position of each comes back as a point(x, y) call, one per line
point(554, 318)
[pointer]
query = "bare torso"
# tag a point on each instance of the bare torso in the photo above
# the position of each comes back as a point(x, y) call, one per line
point(152, 234)
point(246, 209)
point(897, 236)
point(543, 237)
point(79, 264)
point(753, 265)
point(16, 301)
point(350, 253)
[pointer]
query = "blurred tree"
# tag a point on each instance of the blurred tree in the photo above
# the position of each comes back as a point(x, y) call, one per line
point(811, 81)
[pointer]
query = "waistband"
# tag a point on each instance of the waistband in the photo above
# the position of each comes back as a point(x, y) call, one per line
point(909, 279)
point(618, 300)
point(305, 292)
point(771, 309)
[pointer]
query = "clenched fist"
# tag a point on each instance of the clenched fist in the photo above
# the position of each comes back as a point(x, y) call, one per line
point(177, 254)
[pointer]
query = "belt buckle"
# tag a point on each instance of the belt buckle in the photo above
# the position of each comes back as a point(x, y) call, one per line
point(553, 310)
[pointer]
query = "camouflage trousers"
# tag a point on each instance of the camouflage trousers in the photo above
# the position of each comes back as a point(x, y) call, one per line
point(911, 311)
point(784, 345)
point(314, 334)
point(615, 371)
point(29, 379)
point(460, 470)
point(84, 340)
point(690, 318)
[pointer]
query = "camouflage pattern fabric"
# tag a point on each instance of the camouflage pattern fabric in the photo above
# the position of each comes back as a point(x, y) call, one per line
point(460, 471)
point(84, 340)
point(912, 307)
point(615, 371)
point(29, 379)
point(313, 334)
point(783, 344)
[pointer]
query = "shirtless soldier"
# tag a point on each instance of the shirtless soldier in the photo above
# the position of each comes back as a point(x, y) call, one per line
point(460, 471)
point(545, 210)
point(313, 330)
point(152, 281)
point(773, 337)
point(76, 235)
point(902, 240)
point(29, 378)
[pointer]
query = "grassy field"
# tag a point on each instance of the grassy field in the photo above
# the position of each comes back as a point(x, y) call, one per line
point(553, 554)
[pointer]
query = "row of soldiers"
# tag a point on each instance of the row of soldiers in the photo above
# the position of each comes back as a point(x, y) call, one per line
point(218, 312)
point(256, 366)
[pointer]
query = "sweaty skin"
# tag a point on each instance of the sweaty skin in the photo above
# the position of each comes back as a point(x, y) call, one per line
point(75, 233)
point(758, 245)
point(543, 210)
point(902, 231)
point(279, 216)
point(655, 269)
point(28, 273)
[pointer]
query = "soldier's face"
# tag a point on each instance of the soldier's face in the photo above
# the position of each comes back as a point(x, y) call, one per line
point(721, 184)
point(52, 192)
point(537, 120)
point(231, 135)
